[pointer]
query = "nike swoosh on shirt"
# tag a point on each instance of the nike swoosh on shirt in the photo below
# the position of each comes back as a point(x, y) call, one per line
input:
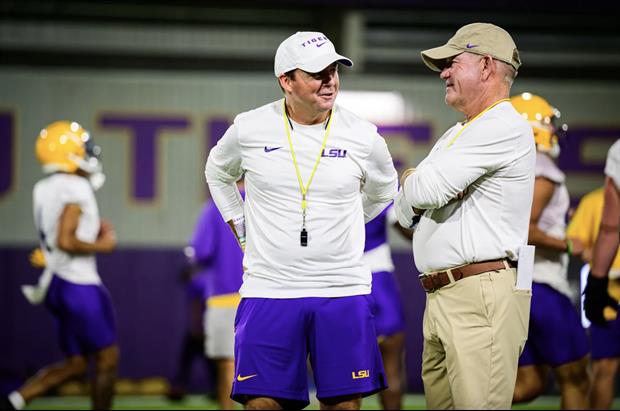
point(320, 44)
point(270, 149)
point(247, 377)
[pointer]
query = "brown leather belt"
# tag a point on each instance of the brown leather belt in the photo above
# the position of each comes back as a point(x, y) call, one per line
point(434, 281)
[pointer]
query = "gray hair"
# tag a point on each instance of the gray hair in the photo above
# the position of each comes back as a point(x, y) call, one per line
point(507, 72)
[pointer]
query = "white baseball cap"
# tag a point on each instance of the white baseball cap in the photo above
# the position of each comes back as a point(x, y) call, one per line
point(309, 51)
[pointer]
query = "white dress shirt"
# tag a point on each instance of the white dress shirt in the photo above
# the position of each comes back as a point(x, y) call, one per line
point(494, 158)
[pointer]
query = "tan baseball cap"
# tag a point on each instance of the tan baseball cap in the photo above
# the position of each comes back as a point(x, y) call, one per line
point(478, 38)
point(310, 51)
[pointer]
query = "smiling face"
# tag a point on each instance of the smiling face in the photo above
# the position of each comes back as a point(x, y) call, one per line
point(462, 75)
point(310, 96)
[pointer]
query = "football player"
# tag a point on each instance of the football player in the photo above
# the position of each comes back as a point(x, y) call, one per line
point(71, 233)
point(556, 339)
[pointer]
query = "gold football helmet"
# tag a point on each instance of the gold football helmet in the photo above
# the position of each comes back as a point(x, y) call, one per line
point(542, 116)
point(65, 146)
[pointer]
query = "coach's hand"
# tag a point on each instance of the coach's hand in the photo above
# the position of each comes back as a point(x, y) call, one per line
point(597, 299)
point(404, 212)
point(406, 174)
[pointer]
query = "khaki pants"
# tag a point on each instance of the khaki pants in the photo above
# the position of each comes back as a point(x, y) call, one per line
point(474, 332)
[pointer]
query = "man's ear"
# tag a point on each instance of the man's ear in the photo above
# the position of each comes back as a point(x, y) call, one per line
point(285, 83)
point(488, 67)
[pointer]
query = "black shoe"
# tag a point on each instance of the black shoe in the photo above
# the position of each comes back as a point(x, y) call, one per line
point(5, 404)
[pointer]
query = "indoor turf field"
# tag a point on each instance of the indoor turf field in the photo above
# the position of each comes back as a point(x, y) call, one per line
point(196, 402)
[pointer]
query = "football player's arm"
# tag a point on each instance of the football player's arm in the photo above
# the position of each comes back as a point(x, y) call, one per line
point(606, 245)
point(582, 227)
point(598, 305)
point(69, 242)
point(380, 181)
point(543, 191)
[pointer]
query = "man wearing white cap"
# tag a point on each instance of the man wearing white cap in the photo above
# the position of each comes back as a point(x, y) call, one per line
point(471, 199)
point(314, 174)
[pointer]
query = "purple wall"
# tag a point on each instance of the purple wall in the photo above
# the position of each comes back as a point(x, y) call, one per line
point(151, 309)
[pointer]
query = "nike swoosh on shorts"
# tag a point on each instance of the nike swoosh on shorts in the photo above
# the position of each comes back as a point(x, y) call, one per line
point(247, 377)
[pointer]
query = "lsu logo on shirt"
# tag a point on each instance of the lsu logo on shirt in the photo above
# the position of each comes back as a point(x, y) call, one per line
point(360, 374)
point(334, 153)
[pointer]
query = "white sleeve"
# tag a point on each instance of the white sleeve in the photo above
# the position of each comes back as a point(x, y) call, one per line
point(222, 170)
point(380, 182)
point(488, 145)
point(612, 165)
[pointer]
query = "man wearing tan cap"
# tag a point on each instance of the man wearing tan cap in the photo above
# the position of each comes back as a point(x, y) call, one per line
point(469, 201)
point(314, 174)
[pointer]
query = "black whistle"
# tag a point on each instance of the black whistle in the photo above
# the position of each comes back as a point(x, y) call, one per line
point(303, 237)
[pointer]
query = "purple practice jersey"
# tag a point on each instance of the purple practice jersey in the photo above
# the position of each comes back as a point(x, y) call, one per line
point(376, 233)
point(218, 252)
point(386, 302)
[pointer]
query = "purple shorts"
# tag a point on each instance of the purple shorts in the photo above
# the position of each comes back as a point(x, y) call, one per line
point(555, 335)
point(605, 340)
point(387, 306)
point(84, 316)
point(273, 338)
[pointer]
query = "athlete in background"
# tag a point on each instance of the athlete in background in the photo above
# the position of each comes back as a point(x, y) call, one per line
point(387, 304)
point(556, 339)
point(600, 294)
point(71, 233)
point(217, 252)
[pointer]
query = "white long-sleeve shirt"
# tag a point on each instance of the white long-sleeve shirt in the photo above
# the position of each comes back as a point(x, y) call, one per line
point(354, 180)
point(494, 157)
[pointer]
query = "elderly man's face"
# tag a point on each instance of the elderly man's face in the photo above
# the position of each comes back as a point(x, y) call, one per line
point(462, 77)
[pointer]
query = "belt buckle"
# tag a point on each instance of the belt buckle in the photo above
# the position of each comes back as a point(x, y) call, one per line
point(434, 277)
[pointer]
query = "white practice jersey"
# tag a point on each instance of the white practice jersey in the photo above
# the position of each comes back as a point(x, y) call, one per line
point(494, 158)
point(50, 196)
point(551, 266)
point(355, 173)
point(612, 166)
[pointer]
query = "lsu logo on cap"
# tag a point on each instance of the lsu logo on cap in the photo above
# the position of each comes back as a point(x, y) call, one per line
point(317, 41)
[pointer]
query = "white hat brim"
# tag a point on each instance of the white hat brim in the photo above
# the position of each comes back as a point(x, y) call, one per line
point(320, 63)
